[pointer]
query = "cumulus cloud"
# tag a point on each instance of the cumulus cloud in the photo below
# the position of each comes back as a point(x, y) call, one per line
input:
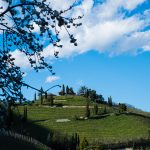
point(20, 59)
point(3, 6)
point(106, 28)
point(50, 79)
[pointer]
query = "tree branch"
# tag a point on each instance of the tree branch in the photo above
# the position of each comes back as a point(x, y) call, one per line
point(18, 5)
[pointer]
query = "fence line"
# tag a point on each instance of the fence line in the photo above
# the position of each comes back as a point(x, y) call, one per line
point(24, 138)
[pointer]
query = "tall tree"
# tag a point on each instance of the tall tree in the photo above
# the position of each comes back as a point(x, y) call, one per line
point(110, 101)
point(92, 95)
point(87, 93)
point(40, 94)
point(71, 92)
point(96, 109)
point(87, 110)
point(67, 89)
point(62, 92)
point(35, 96)
point(82, 91)
point(100, 98)
point(17, 31)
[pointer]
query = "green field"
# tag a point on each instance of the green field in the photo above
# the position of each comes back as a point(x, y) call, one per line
point(107, 129)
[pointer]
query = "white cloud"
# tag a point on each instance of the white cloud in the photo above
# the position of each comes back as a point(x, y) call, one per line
point(36, 27)
point(3, 6)
point(60, 4)
point(135, 43)
point(130, 5)
point(106, 29)
point(20, 59)
point(146, 47)
point(52, 79)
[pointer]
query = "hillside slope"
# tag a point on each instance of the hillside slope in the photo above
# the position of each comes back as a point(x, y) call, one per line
point(107, 128)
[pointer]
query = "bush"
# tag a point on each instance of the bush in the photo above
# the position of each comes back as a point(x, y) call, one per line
point(84, 144)
point(122, 107)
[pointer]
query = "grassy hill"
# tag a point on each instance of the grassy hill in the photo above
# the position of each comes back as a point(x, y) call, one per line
point(112, 127)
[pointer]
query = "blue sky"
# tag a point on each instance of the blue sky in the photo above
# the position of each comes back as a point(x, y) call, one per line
point(125, 78)
point(112, 55)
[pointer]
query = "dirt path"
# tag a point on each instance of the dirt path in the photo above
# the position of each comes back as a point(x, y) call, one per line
point(71, 106)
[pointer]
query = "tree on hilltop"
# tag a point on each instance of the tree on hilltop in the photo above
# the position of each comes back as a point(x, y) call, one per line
point(122, 107)
point(40, 94)
point(63, 91)
point(82, 91)
point(110, 103)
point(71, 91)
point(67, 90)
point(35, 96)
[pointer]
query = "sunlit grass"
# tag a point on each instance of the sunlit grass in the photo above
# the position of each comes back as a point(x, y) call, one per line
point(113, 128)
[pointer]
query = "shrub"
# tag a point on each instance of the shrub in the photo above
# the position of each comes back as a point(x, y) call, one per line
point(122, 107)
point(84, 144)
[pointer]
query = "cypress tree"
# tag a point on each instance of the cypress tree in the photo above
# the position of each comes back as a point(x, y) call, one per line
point(41, 95)
point(110, 101)
point(67, 90)
point(96, 109)
point(71, 92)
point(63, 90)
point(35, 96)
point(25, 114)
point(87, 111)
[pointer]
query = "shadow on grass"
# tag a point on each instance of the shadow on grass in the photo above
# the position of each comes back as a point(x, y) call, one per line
point(49, 137)
point(138, 115)
point(99, 116)
point(29, 129)
point(9, 143)
point(40, 120)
